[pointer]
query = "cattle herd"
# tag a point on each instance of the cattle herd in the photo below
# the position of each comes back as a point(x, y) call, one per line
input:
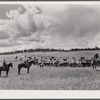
point(52, 61)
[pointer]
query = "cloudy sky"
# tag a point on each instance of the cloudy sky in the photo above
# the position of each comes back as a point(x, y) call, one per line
point(24, 26)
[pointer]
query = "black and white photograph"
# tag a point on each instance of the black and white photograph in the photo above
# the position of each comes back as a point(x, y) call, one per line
point(49, 46)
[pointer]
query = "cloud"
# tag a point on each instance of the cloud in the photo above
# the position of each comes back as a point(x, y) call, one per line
point(52, 26)
point(4, 35)
point(24, 28)
point(9, 43)
point(14, 13)
point(23, 24)
point(78, 23)
point(32, 9)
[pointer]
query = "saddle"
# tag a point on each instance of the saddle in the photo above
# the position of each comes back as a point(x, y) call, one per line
point(4, 67)
point(26, 63)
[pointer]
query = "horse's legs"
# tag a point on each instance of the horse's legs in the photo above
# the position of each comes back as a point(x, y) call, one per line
point(7, 73)
point(95, 66)
point(28, 70)
point(0, 73)
point(18, 71)
point(19, 68)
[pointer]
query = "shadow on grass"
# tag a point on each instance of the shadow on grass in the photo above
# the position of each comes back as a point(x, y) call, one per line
point(22, 74)
point(4, 76)
point(97, 69)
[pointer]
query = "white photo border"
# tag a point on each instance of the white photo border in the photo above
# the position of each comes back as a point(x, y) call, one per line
point(51, 94)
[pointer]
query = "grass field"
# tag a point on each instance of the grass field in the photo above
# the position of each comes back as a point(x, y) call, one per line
point(51, 78)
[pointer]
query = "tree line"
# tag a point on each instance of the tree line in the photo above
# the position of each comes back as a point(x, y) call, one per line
point(49, 50)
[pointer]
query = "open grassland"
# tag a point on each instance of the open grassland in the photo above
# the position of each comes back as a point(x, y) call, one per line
point(51, 78)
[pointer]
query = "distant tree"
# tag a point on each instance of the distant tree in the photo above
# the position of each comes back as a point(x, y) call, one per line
point(96, 47)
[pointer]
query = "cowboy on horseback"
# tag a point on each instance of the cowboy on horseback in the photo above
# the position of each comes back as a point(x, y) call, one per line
point(95, 61)
point(4, 64)
point(96, 56)
point(26, 61)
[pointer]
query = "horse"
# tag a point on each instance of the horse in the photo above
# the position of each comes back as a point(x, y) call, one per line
point(25, 65)
point(6, 69)
point(95, 63)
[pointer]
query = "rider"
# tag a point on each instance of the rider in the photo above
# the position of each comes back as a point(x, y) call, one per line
point(25, 60)
point(4, 64)
point(96, 56)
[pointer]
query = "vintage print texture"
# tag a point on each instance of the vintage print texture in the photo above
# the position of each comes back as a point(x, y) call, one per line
point(49, 47)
